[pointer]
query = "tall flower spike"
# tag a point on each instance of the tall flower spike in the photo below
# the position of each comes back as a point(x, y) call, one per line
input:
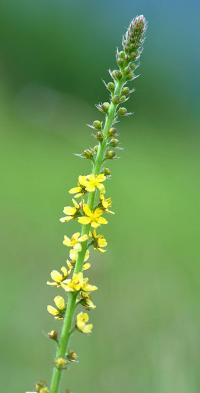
point(90, 208)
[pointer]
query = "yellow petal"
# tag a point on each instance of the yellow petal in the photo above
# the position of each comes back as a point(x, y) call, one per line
point(83, 238)
point(84, 220)
point(74, 190)
point(56, 276)
point(52, 310)
point(69, 210)
point(86, 266)
point(101, 177)
point(67, 241)
point(87, 210)
point(59, 302)
point(102, 220)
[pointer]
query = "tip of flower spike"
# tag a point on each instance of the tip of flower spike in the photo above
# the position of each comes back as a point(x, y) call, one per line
point(134, 37)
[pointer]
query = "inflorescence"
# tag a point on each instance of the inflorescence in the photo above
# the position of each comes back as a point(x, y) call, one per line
point(90, 207)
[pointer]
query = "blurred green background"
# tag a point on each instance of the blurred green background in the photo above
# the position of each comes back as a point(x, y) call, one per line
point(53, 55)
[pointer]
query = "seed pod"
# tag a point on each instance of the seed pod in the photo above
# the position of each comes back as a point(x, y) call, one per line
point(105, 106)
point(88, 154)
point(125, 91)
point(53, 335)
point(99, 136)
point(107, 172)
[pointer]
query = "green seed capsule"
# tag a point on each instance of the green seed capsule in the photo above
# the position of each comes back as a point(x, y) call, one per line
point(114, 142)
point(117, 74)
point(112, 131)
point(125, 91)
point(115, 100)
point(105, 106)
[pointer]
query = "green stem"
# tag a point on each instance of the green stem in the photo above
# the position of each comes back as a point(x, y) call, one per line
point(71, 305)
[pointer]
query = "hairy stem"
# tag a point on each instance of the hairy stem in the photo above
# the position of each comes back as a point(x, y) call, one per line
point(67, 324)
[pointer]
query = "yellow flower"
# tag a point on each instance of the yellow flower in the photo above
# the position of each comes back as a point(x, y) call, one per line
point(105, 203)
point(74, 284)
point(75, 241)
point(58, 277)
point(81, 323)
point(86, 301)
point(70, 212)
point(80, 189)
point(59, 311)
point(77, 283)
point(99, 241)
point(92, 217)
point(93, 182)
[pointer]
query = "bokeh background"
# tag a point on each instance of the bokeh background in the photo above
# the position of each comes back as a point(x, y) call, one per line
point(53, 56)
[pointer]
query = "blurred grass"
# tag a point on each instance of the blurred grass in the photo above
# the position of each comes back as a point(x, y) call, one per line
point(146, 335)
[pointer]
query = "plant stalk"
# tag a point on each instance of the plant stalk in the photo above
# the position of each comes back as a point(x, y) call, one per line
point(71, 306)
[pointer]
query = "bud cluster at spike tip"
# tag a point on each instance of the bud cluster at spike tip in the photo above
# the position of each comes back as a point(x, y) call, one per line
point(134, 38)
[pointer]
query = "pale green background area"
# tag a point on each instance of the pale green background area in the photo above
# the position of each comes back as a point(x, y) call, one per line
point(147, 321)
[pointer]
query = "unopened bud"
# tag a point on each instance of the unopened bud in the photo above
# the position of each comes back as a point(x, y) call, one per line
point(112, 131)
point(88, 154)
point(105, 106)
point(125, 91)
point(111, 87)
point(107, 172)
point(115, 100)
point(122, 99)
point(122, 111)
point(97, 124)
point(60, 363)
point(117, 74)
point(110, 154)
point(44, 390)
point(114, 142)
point(99, 136)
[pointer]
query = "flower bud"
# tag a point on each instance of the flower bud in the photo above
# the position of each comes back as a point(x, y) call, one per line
point(99, 136)
point(116, 74)
point(44, 390)
point(53, 335)
point(110, 154)
point(105, 106)
point(122, 99)
point(115, 100)
point(97, 124)
point(125, 91)
point(88, 154)
point(107, 172)
point(114, 142)
point(112, 131)
point(122, 111)
point(111, 87)
point(60, 363)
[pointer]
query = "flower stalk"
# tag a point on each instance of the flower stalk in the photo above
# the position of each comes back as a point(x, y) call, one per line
point(90, 214)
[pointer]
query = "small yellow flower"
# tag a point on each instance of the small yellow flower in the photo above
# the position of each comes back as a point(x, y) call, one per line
point(92, 217)
point(75, 241)
point(80, 189)
point(59, 311)
point(98, 241)
point(105, 203)
point(71, 212)
point(86, 266)
point(74, 284)
point(58, 277)
point(81, 323)
point(77, 283)
point(86, 301)
point(93, 182)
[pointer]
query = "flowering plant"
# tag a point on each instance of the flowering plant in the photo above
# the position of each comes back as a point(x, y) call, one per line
point(89, 207)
